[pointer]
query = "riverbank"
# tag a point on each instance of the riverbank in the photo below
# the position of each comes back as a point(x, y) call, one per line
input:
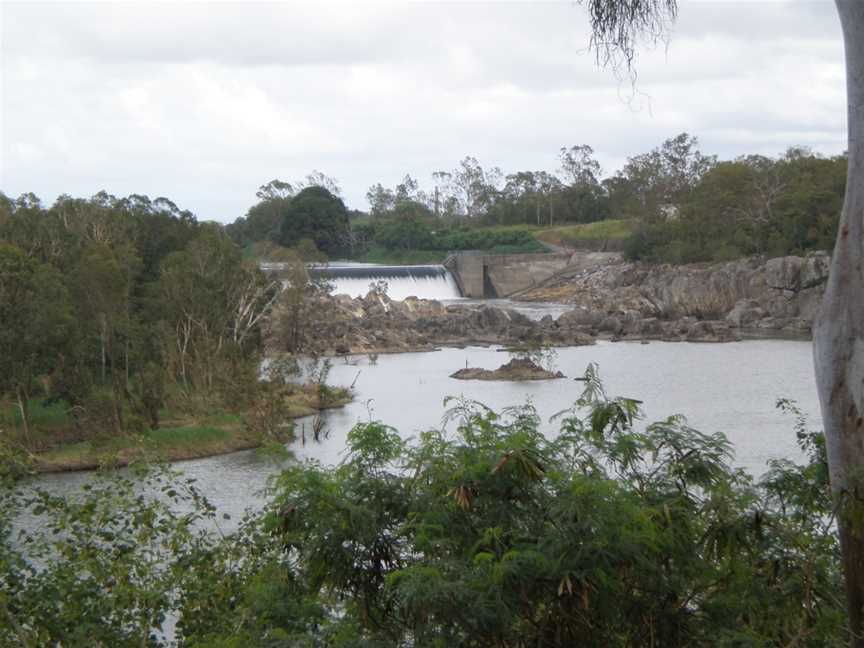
point(180, 438)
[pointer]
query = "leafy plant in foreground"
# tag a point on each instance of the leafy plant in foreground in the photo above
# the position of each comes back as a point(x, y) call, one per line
point(483, 533)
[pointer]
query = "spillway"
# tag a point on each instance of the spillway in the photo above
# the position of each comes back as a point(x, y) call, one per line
point(424, 281)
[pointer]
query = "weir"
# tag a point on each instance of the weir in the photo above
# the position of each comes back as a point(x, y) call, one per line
point(424, 281)
point(485, 276)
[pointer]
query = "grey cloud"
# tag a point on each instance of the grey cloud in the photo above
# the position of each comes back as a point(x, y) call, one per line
point(204, 102)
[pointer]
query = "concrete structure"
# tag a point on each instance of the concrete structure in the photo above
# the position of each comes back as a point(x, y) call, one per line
point(501, 275)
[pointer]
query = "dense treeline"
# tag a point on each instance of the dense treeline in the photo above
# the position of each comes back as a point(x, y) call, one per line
point(118, 306)
point(748, 206)
point(610, 534)
point(681, 205)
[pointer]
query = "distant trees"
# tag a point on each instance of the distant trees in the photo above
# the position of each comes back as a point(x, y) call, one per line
point(684, 205)
point(751, 205)
point(263, 221)
point(115, 306)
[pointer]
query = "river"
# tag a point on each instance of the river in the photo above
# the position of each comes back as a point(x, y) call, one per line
point(730, 388)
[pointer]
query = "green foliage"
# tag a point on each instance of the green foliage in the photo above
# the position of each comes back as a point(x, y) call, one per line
point(318, 215)
point(405, 234)
point(104, 567)
point(753, 205)
point(37, 317)
point(672, 204)
point(378, 254)
point(612, 533)
point(114, 308)
point(419, 235)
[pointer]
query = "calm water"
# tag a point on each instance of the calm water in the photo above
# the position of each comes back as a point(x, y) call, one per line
point(731, 388)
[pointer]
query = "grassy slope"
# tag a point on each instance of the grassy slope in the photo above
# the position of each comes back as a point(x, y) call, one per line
point(599, 231)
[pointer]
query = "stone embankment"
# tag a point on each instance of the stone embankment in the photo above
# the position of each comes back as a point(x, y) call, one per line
point(706, 302)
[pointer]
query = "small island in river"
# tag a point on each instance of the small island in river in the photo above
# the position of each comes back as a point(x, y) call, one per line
point(516, 369)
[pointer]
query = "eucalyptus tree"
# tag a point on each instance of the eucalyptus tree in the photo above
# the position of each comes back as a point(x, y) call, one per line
point(578, 165)
point(838, 333)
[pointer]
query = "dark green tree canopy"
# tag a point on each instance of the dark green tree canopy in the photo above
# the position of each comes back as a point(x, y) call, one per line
point(318, 215)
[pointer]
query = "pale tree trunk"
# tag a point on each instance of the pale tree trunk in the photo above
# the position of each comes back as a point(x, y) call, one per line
point(24, 409)
point(839, 335)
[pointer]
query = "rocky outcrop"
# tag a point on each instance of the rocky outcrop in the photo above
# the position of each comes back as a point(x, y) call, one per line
point(515, 370)
point(717, 302)
point(375, 323)
point(710, 302)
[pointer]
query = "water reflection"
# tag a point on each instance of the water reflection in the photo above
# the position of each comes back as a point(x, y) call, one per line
point(731, 388)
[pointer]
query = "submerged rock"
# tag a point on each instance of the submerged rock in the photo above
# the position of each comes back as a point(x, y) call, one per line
point(516, 369)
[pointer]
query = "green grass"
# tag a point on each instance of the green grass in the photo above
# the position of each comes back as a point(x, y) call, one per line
point(518, 227)
point(222, 419)
point(402, 257)
point(599, 231)
point(42, 414)
point(184, 435)
point(169, 443)
point(534, 246)
point(187, 436)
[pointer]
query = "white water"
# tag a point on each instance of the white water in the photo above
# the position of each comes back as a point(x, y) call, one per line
point(398, 288)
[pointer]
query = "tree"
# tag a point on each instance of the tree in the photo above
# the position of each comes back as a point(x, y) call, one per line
point(103, 281)
point(467, 190)
point(316, 214)
point(838, 332)
point(579, 166)
point(212, 306)
point(404, 234)
point(656, 183)
point(275, 189)
point(381, 200)
point(318, 179)
point(36, 315)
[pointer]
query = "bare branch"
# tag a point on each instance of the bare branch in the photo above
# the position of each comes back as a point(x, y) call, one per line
point(618, 25)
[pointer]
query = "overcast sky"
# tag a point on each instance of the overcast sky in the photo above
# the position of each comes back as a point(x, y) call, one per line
point(204, 102)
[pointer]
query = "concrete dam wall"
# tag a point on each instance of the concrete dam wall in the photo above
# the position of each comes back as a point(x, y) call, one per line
point(501, 275)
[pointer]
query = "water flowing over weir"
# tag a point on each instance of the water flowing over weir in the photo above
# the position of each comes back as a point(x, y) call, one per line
point(424, 281)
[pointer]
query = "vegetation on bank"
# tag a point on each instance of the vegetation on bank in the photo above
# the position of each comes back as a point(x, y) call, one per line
point(612, 533)
point(58, 446)
point(672, 204)
point(125, 317)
